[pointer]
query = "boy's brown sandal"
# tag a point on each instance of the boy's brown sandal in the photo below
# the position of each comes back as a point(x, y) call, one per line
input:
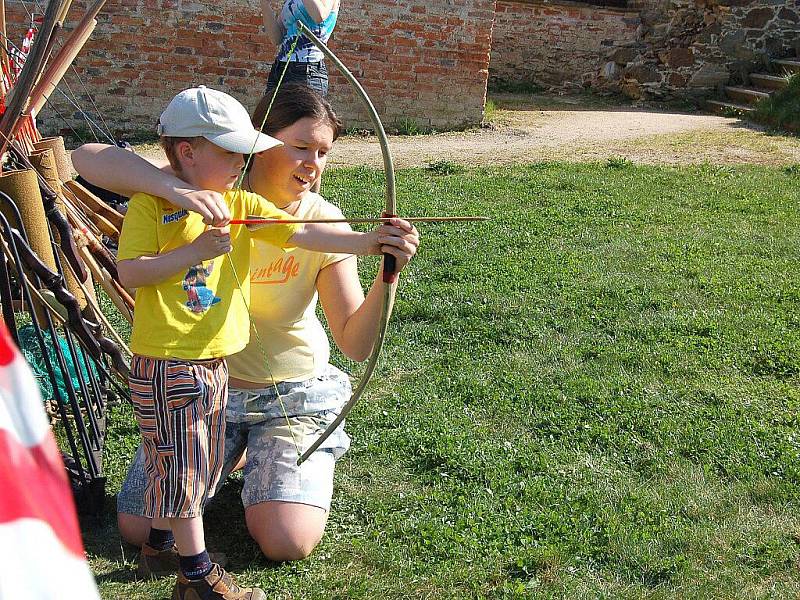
point(217, 585)
point(154, 564)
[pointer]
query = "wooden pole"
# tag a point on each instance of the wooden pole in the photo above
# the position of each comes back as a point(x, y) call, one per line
point(124, 303)
point(58, 67)
point(29, 75)
point(62, 17)
point(4, 54)
point(94, 203)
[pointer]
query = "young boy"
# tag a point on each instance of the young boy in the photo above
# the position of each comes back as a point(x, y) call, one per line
point(191, 312)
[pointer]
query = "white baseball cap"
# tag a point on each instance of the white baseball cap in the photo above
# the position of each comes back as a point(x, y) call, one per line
point(216, 116)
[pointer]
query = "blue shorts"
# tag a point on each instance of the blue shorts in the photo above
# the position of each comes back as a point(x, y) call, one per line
point(314, 75)
point(255, 421)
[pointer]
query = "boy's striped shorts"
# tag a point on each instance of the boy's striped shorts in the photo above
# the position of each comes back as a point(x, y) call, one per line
point(180, 408)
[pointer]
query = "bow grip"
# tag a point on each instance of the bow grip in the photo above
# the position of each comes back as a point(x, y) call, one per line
point(67, 242)
point(389, 261)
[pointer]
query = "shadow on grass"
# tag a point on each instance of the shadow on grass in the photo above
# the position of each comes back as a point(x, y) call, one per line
point(226, 530)
point(114, 560)
point(121, 575)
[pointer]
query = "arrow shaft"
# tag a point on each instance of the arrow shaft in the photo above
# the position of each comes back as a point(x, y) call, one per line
point(368, 220)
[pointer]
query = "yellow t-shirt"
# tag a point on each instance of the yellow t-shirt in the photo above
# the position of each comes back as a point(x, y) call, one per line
point(199, 313)
point(284, 299)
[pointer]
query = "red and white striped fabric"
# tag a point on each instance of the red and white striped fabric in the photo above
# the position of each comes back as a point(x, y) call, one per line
point(41, 552)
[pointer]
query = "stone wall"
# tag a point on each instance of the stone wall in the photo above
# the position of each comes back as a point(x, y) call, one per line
point(655, 49)
point(549, 44)
point(689, 48)
point(422, 62)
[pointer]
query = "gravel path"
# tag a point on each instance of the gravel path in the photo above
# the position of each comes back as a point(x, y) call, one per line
point(535, 128)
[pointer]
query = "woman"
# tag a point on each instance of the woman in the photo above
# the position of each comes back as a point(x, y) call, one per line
point(306, 64)
point(286, 507)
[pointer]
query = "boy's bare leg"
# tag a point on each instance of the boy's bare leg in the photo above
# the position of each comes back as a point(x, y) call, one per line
point(189, 536)
point(160, 524)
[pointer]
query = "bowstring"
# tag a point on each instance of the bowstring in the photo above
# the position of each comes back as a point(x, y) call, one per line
point(263, 351)
point(259, 341)
point(249, 160)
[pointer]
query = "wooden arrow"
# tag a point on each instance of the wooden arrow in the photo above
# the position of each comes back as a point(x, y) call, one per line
point(258, 221)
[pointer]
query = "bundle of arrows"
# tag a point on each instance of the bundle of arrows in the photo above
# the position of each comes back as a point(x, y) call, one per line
point(53, 257)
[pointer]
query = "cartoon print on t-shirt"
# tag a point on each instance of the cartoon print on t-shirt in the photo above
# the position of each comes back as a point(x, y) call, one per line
point(201, 298)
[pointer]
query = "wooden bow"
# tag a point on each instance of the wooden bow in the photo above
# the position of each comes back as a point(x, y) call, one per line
point(389, 262)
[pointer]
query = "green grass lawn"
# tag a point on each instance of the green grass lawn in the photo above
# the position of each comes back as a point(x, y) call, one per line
point(594, 395)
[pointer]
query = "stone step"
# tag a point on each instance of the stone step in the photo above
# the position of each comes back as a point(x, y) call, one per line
point(727, 108)
point(768, 82)
point(787, 65)
point(745, 95)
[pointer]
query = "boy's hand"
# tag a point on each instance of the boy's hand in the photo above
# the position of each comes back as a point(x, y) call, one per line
point(210, 205)
point(212, 243)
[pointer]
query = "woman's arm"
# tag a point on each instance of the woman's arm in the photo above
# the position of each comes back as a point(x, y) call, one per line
point(120, 170)
point(125, 173)
point(319, 10)
point(327, 238)
point(388, 237)
point(354, 319)
point(272, 25)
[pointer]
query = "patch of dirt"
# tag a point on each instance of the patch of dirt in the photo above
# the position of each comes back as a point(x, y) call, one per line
point(534, 128)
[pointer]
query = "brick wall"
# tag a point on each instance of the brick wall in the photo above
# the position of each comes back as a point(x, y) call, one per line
point(553, 44)
point(426, 62)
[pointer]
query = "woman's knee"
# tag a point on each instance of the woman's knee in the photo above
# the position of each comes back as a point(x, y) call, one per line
point(281, 548)
point(134, 529)
point(286, 531)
